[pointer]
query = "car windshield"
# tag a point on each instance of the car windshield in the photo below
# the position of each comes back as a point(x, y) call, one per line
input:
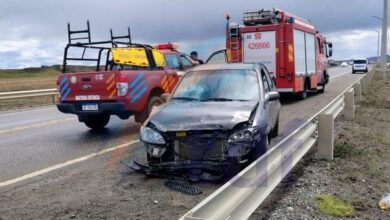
point(218, 85)
point(359, 62)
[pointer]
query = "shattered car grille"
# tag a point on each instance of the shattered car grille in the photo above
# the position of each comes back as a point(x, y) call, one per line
point(199, 146)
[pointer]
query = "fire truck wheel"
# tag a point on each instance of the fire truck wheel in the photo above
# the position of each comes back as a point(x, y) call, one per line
point(96, 122)
point(323, 89)
point(303, 94)
point(154, 101)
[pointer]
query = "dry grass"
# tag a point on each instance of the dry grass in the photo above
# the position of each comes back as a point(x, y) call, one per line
point(28, 79)
point(362, 150)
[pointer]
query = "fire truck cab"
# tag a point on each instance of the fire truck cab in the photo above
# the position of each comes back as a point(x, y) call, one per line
point(293, 51)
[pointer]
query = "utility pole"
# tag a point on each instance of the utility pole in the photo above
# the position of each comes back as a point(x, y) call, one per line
point(384, 40)
point(378, 48)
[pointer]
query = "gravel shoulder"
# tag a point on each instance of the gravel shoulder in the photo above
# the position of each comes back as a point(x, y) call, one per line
point(359, 174)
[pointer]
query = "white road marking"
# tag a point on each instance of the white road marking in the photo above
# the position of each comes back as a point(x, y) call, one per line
point(65, 164)
point(36, 125)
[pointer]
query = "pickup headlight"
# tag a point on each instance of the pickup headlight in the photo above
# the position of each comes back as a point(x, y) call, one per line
point(151, 136)
point(242, 135)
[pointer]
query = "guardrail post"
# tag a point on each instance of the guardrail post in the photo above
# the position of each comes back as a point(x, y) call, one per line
point(325, 136)
point(370, 76)
point(55, 97)
point(363, 83)
point(358, 92)
point(349, 108)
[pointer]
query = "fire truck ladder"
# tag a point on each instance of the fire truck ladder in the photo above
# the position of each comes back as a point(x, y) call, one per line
point(234, 43)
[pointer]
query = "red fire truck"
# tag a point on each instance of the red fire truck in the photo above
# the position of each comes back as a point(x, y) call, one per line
point(290, 47)
point(128, 78)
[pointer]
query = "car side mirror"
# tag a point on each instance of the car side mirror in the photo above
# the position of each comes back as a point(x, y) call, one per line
point(165, 97)
point(271, 96)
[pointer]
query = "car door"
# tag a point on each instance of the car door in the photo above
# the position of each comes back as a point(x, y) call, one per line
point(272, 107)
point(217, 57)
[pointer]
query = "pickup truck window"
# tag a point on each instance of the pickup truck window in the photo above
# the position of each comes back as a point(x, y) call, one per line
point(172, 61)
point(186, 62)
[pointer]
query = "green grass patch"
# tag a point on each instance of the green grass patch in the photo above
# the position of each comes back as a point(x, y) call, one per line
point(343, 150)
point(28, 73)
point(51, 71)
point(334, 206)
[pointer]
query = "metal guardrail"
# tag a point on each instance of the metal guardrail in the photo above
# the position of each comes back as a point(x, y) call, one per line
point(244, 193)
point(29, 94)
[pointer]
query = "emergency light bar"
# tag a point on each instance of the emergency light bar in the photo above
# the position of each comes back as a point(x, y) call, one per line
point(168, 46)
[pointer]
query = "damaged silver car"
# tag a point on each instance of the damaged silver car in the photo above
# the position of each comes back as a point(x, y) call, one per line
point(219, 119)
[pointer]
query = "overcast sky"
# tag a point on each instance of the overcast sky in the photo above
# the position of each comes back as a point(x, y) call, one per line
point(33, 32)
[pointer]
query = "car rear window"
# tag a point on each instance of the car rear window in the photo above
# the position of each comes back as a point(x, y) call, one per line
point(360, 62)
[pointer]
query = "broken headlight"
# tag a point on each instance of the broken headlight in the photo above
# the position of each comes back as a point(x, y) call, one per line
point(242, 135)
point(151, 136)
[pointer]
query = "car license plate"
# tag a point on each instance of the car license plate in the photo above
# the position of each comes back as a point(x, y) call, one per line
point(90, 107)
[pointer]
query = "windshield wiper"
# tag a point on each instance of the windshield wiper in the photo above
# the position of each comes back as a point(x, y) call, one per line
point(216, 99)
point(185, 98)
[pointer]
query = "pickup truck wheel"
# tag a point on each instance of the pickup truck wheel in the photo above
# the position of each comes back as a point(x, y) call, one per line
point(154, 101)
point(96, 122)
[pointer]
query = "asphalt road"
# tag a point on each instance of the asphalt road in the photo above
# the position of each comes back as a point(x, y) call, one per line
point(32, 141)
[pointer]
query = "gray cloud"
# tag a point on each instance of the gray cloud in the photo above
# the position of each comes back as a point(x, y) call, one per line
point(152, 21)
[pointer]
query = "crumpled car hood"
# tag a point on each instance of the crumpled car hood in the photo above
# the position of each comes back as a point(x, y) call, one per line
point(185, 116)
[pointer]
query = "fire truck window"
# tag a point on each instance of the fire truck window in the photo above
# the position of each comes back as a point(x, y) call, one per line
point(172, 61)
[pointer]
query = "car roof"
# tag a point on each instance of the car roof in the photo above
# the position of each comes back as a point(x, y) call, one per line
point(360, 59)
point(217, 66)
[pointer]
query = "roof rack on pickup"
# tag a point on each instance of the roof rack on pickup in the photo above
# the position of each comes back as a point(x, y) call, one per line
point(103, 46)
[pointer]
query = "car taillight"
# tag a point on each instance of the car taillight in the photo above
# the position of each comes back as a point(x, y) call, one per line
point(122, 88)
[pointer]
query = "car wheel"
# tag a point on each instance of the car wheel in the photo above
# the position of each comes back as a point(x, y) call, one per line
point(260, 149)
point(96, 122)
point(154, 101)
point(275, 130)
point(233, 168)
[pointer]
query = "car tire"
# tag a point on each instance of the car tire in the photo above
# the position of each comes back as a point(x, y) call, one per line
point(96, 122)
point(233, 168)
point(275, 130)
point(152, 102)
point(260, 149)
